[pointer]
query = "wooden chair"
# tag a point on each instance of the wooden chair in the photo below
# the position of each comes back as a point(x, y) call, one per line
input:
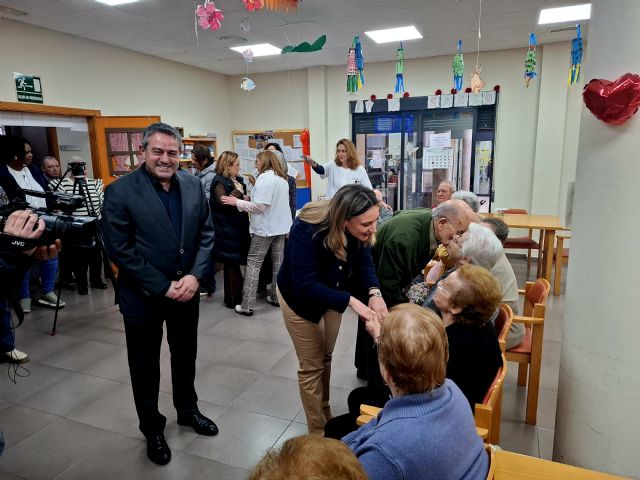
point(487, 413)
point(529, 353)
point(525, 243)
point(503, 325)
point(561, 258)
point(491, 453)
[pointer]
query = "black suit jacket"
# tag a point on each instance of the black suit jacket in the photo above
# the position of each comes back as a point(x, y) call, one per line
point(140, 240)
point(11, 187)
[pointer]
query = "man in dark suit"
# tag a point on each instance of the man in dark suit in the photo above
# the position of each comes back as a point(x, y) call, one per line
point(158, 231)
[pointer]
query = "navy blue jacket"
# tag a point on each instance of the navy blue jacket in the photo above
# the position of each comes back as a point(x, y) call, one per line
point(11, 187)
point(311, 278)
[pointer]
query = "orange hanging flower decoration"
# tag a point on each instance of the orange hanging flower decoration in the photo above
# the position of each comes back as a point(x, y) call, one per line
point(281, 5)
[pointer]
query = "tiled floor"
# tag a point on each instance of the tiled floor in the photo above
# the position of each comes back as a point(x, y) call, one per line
point(73, 416)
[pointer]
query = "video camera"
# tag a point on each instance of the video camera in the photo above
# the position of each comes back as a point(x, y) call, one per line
point(71, 230)
point(77, 168)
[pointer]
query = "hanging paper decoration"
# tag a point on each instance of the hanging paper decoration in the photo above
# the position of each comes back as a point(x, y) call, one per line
point(458, 67)
point(281, 5)
point(530, 61)
point(306, 47)
point(247, 84)
point(355, 67)
point(247, 55)
point(252, 5)
point(210, 16)
point(477, 84)
point(576, 57)
point(400, 69)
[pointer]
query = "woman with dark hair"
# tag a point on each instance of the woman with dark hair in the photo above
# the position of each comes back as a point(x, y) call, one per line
point(205, 171)
point(328, 256)
point(231, 225)
point(270, 222)
point(17, 172)
point(343, 170)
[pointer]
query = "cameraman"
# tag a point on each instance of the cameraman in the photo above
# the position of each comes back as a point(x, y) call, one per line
point(83, 258)
point(14, 263)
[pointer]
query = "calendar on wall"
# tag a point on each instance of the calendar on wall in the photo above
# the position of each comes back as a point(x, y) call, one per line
point(436, 158)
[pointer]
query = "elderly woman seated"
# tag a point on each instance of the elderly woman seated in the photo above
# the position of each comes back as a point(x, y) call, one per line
point(467, 299)
point(426, 429)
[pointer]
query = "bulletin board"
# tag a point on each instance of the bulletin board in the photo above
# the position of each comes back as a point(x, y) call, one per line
point(247, 143)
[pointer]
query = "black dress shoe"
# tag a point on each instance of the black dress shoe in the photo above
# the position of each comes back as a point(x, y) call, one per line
point(83, 290)
point(199, 423)
point(157, 449)
point(101, 285)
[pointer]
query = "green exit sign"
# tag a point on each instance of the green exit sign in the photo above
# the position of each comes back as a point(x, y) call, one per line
point(28, 88)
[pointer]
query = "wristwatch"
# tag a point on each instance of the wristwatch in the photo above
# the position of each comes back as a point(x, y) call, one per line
point(375, 293)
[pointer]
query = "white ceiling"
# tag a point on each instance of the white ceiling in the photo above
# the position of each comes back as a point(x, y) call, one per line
point(165, 28)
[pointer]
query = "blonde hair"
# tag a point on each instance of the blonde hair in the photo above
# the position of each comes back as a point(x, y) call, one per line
point(350, 201)
point(225, 160)
point(478, 297)
point(270, 161)
point(352, 154)
point(309, 457)
point(413, 348)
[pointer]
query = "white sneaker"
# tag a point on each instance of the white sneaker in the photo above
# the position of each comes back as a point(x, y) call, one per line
point(242, 311)
point(25, 303)
point(50, 300)
point(16, 356)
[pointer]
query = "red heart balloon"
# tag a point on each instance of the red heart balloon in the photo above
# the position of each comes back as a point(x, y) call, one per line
point(613, 102)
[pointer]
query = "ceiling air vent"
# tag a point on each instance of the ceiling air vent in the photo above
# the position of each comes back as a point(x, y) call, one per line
point(232, 39)
point(567, 28)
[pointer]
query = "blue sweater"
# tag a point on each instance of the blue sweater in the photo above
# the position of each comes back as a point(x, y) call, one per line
point(311, 278)
point(422, 436)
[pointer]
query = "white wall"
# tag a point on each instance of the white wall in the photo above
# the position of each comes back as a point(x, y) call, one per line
point(66, 136)
point(81, 73)
point(537, 127)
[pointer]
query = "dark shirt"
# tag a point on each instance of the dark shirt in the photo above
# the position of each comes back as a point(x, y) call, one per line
point(170, 199)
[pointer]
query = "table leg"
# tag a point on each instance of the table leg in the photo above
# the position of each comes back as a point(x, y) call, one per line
point(559, 262)
point(549, 243)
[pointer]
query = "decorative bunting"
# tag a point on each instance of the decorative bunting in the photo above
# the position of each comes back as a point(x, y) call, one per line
point(400, 69)
point(458, 67)
point(355, 67)
point(530, 61)
point(306, 47)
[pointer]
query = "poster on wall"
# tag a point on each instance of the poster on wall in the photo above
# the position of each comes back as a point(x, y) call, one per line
point(436, 158)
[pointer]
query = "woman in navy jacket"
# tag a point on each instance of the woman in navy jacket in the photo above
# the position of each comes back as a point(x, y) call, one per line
point(328, 252)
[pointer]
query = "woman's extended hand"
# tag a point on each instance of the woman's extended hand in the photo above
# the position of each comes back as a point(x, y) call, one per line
point(310, 161)
point(362, 310)
point(228, 200)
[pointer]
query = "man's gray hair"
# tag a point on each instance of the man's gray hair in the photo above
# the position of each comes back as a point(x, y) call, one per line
point(467, 197)
point(450, 184)
point(499, 228)
point(481, 246)
point(448, 210)
point(49, 157)
point(160, 127)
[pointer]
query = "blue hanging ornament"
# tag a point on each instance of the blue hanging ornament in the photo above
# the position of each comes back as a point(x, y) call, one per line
point(359, 61)
point(530, 61)
point(400, 69)
point(458, 67)
point(576, 57)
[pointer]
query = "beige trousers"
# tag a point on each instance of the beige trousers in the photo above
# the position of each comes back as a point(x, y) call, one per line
point(314, 347)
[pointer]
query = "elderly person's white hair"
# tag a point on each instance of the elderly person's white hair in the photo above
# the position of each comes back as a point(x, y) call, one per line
point(469, 198)
point(481, 246)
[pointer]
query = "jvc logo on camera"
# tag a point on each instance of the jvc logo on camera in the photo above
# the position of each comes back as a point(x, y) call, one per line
point(18, 243)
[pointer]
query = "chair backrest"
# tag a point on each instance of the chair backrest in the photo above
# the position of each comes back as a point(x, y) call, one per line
point(487, 413)
point(503, 325)
point(515, 211)
point(535, 298)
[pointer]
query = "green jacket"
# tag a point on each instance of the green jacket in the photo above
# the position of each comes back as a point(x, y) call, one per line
point(404, 245)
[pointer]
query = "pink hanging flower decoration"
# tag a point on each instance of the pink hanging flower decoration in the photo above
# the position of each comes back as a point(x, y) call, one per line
point(210, 16)
point(252, 5)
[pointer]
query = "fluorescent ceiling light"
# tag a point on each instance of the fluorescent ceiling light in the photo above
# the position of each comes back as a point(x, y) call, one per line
point(116, 2)
point(394, 34)
point(565, 14)
point(259, 50)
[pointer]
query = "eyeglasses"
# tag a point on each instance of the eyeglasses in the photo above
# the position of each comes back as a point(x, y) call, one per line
point(441, 286)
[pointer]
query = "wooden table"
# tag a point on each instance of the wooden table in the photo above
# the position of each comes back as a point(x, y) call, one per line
point(547, 223)
point(513, 466)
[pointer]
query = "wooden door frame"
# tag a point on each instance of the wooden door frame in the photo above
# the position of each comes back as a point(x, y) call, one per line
point(90, 115)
